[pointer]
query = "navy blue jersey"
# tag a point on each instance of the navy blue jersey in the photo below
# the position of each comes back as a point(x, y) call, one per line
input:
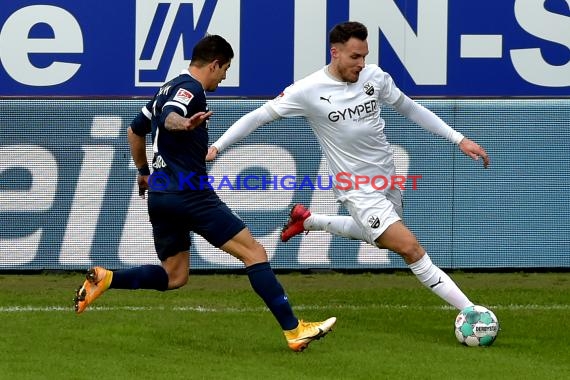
point(179, 162)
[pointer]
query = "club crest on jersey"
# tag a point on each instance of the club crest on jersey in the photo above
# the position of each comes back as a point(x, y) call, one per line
point(368, 88)
point(183, 96)
point(373, 221)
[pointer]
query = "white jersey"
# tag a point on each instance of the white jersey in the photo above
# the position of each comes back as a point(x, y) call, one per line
point(345, 118)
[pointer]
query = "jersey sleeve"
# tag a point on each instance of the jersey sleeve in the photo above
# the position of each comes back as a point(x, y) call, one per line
point(289, 103)
point(388, 91)
point(183, 100)
point(141, 124)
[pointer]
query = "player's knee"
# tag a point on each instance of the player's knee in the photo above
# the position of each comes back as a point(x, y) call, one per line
point(411, 251)
point(260, 252)
point(254, 254)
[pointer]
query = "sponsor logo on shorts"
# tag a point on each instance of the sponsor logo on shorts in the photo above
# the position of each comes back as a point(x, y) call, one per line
point(159, 162)
point(374, 221)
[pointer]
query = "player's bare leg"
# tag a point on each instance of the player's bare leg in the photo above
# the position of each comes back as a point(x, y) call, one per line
point(400, 239)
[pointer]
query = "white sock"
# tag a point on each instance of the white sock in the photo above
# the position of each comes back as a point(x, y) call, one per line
point(338, 225)
point(439, 282)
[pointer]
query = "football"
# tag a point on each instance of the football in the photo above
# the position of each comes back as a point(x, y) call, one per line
point(476, 326)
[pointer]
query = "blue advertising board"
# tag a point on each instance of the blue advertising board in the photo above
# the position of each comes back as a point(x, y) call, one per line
point(69, 199)
point(436, 48)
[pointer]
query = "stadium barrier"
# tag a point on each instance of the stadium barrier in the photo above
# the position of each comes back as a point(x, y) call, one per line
point(68, 195)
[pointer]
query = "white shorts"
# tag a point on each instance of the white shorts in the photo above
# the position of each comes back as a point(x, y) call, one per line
point(375, 212)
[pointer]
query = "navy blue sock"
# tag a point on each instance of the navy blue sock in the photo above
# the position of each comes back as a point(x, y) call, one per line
point(265, 284)
point(143, 277)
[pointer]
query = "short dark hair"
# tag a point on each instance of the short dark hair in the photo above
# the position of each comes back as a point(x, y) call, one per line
point(342, 32)
point(211, 48)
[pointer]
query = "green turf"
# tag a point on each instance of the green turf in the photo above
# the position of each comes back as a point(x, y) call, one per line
point(389, 327)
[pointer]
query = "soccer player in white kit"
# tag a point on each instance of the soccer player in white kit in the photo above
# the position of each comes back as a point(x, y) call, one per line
point(342, 104)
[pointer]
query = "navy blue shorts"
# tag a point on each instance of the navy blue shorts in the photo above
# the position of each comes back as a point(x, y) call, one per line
point(175, 215)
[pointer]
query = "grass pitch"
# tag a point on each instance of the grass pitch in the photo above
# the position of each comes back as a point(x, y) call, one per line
point(389, 327)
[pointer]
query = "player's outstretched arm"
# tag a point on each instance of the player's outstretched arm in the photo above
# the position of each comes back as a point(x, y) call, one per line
point(433, 123)
point(475, 151)
point(175, 122)
point(241, 129)
point(426, 119)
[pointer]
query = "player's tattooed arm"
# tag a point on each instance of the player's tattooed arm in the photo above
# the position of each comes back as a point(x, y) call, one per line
point(175, 122)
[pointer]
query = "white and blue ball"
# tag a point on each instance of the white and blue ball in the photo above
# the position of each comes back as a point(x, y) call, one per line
point(476, 326)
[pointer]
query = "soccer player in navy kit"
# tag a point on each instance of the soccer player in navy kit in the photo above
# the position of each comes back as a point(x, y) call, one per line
point(178, 203)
